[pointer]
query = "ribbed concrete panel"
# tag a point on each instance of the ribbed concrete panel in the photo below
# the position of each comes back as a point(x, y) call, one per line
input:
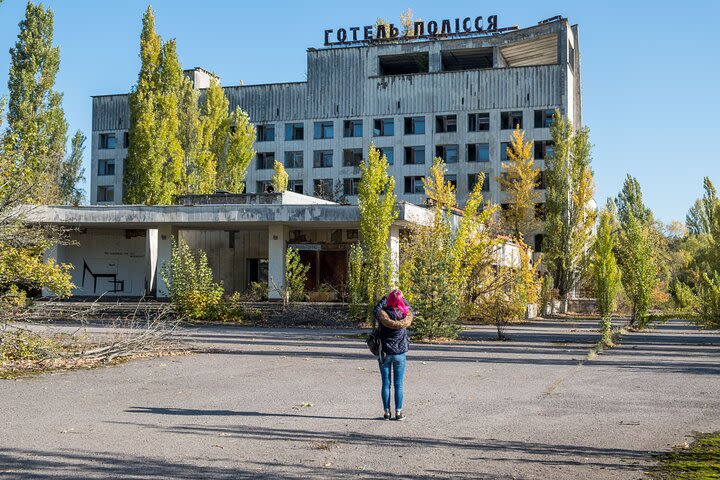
point(110, 112)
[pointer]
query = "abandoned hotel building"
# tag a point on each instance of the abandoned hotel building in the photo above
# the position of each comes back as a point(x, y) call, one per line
point(456, 96)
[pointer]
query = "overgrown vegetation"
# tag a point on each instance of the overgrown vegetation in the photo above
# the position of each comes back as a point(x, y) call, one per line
point(279, 178)
point(295, 276)
point(605, 272)
point(698, 461)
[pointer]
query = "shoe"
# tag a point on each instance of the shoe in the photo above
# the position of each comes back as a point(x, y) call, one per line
point(399, 415)
point(387, 415)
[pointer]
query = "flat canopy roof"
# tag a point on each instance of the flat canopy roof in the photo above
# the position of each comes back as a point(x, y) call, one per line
point(216, 217)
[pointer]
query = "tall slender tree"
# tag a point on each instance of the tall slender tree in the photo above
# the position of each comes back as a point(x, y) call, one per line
point(72, 172)
point(143, 165)
point(168, 122)
point(702, 214)
point(570, 211)
point(189, 117)
point(214, 130)
point(233, 164)
point(636, 250)
point(519, 180)
point(604, 268)
point(37, 128)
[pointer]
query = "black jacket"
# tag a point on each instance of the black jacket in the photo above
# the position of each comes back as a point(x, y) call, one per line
point(394, 342)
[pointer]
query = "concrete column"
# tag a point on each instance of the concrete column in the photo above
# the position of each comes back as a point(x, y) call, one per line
point(278, 236)
point(498, 60)
point(164, 249)
point(151, 266)
point(394, 246)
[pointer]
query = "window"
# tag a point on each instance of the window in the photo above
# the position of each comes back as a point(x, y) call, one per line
point(265, 133)
point(541, 181)
point(294, 131)
point(106, 193)
point(478, 152)
point(472, 180)
point(511, 120)
point(571, 57)
point(295, 186)
point(265, 160)
point(503, 151)
point(322, 158)
point(106, 167)
point(388, 152)
point(539, 239)
point(323, 130)
point(414, 155)
point(446, 123)
point(323, 187)
point(540, 211)
point(352, 157)
point(544, 118)
point(350, 186)
point(478, 122)
point(107, 141)
point(449, 153)
point(414, 125)
point(294, 159)
point(414, 184)
point(544, 149)
point(452, 179)
point(264, 186)
point(126, 140)
point(466, 59)
point(404, 64)
point(383, 127)
point(353, 128)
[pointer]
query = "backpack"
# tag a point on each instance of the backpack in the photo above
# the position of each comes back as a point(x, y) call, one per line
point(374, 343)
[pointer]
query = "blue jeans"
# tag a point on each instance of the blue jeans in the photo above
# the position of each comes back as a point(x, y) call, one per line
point(397, 364)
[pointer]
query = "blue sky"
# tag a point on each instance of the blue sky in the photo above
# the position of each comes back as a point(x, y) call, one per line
point(650, 70)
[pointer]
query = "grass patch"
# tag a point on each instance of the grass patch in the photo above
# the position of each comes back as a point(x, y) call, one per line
point(700, 460)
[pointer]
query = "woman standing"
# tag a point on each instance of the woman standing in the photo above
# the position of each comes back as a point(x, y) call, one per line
point(394, 316)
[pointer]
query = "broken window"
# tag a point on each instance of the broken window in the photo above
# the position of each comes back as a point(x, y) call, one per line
point(352, 157)
point(466, 59)
point(265, 133)
point(445, 123)
point(544, 149)
point(478, 152)
point(322, 158)
point(353, 128)
point(294, 159)
point(107, 141)
point(388, 153)
point(294, 131)
point(544, 118)
point(106, 167)
point(383, 127)
point(404, 64)
point(295, 186)
point(511, 120)
point(415, 155)
point(449, 153)
point(414, 184)
point(265, 160)
point(106, 193)
point(478, 122)
point(350, 186)
point(414, 125)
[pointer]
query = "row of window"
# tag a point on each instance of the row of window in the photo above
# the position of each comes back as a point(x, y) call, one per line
point(385, 127)
point(353, 157)
point(382, 127)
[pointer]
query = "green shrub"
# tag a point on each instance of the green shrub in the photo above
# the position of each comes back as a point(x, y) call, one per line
point(190, 283)
point(23, 345)
point(683, 296)
point(710, 300)
point(257, 292)
point(295, 276)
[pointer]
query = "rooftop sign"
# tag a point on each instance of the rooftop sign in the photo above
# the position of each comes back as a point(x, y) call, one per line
point(421, 29)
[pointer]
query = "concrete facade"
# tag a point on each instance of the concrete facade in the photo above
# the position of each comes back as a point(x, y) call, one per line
point(535, 69)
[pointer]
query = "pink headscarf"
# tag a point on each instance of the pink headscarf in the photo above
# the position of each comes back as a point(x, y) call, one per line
point(395, 299)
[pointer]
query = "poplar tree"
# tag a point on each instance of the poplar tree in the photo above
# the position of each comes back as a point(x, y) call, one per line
point(636, 250)
point(143, 165)
point(702, 215)
point(570, 213)
point(376, 202)
point(189, 117)
point(233, 164)
point(72, 172)
point(519, 181)
point(37, 128)
point(605, 271)
point(168, 132)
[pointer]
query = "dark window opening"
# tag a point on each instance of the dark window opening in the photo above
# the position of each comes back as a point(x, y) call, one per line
point(295, 186)
point(503, 151)
point(388, 153)
point(322, 158)
point(544, 118)
point(294, 159)
point(544, 149)
point(107, 141)
point(446, 123)
point(352, 157)
point(383, 127)
point(414, 184)
point(414, 155)
point(478, 152)
point(472, 181)
point(265, 133)
point(350, 186)
point(106, 167)
point(540, 211)
point(511, 120)
point(294, 131)
point(466, 59)
point(323, 188)
point(478, 122)
point(404, 64)
point(449, 153)
point(414, 125)
point(106, 193)
point(265, 160)
point(539, 239)
point(126, 140)
point(353, 128)
point(540, 181)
